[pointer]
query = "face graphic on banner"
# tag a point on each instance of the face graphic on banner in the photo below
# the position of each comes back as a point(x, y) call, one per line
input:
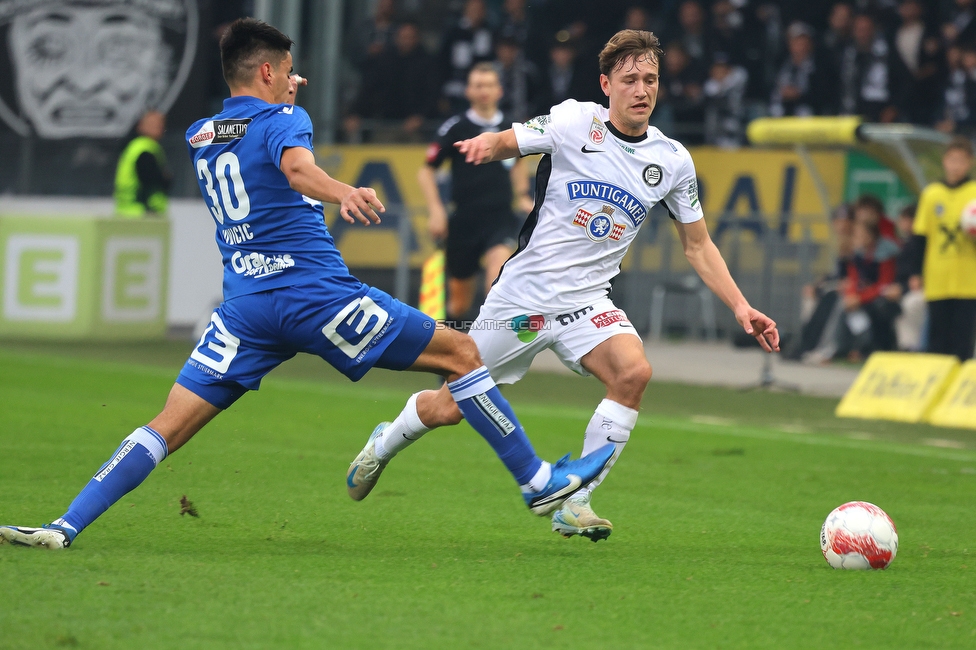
point(91, 68)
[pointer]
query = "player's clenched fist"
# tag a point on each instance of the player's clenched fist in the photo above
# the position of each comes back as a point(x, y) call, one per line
point(361, 204)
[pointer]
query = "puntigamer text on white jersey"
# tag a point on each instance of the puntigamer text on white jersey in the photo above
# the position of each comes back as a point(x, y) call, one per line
point(598, 186)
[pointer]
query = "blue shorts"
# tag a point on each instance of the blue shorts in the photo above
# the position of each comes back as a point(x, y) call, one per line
point(249, 336)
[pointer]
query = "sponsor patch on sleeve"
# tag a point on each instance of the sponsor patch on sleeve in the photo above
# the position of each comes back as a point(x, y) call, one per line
point(693, 193)
point(538, 123)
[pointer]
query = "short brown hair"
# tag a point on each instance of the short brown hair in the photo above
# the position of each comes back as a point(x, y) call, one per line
point(960, 143)
point(628, 43)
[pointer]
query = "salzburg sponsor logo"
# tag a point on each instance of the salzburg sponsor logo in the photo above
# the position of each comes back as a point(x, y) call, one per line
point(601, 191)
point(258, 265)
point(608, 318)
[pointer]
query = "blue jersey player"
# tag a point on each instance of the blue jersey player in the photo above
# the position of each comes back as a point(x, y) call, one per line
point(287, 290)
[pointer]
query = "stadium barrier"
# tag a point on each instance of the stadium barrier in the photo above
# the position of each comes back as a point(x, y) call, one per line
point(83, 277)
point(958, 405)
point(912, 387)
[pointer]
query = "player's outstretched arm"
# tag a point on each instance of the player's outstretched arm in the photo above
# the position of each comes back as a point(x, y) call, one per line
point(304, 176)
point(489, 147)
point(706, 259)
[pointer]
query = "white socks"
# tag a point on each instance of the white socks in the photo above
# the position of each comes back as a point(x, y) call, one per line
point(402, 432)
point(611, 423)
point(539, 480)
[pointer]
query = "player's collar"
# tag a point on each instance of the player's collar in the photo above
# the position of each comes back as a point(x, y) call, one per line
point(476, 119)
point(965, 180)
point(623, 136)
point(240, 100)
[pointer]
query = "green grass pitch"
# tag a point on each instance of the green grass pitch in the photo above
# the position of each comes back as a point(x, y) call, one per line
point(717, 506)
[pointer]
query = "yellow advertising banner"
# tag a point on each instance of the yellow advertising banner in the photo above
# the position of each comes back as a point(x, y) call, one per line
point(735, 185)
point(899, 386)
point(958, 406)
point(747, 182)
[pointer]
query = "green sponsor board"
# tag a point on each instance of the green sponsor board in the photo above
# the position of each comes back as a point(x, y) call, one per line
point(82, 277)
point(865, 175)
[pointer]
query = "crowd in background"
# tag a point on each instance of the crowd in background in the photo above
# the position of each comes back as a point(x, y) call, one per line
point(873, 299)
point(725, 62)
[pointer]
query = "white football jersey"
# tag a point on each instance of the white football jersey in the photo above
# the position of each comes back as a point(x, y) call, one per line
point(597, 186)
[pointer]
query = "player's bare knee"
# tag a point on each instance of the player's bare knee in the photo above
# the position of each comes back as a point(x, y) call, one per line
point(466, 356)
point(634, 379)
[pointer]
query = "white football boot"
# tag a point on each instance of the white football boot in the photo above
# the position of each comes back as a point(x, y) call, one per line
point(576, 517)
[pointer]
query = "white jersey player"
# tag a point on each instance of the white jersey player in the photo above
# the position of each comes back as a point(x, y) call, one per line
point(601, 172)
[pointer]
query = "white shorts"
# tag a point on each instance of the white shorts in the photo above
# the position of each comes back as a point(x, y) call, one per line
point(509, 337)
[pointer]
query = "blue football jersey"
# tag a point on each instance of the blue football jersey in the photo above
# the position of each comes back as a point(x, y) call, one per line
point(269, 235)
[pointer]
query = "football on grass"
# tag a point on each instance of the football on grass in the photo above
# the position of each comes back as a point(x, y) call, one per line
point(859, 535)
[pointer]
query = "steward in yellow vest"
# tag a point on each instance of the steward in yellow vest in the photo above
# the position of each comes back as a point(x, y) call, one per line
point(142, 178)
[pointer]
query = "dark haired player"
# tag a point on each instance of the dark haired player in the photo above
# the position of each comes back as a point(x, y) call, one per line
point(287, 290)
point(601, 172)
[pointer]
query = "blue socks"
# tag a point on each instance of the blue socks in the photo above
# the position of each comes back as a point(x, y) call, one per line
point(131, 464)
point(490, 414)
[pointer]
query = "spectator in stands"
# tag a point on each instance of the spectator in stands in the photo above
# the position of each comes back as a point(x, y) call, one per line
point(514, 22)
point(724, 112)
point(726, 32)
point(374, 35)
point(520, 81)
point(820, 306)
point(920, 51)
point(468, 42)
point(871, 75)
point(959, 26)
point(959, 86)
point(763, 36)
point(868, 323)
point(802, 87)
point(680, 95)
point(396, 88)
point(870, 209)
point(691, 30)
point(564, 79)
point(838, 35)
point(906, 290)
point(637, 18)
point(948, 264)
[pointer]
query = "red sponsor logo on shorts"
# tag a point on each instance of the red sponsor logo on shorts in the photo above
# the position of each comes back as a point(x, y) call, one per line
point(609, 318)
